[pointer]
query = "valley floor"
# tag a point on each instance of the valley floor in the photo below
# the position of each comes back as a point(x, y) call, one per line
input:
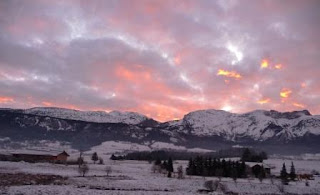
point(134, 177)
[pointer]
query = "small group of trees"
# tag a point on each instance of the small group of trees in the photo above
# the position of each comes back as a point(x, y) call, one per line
point(216, 167)
point(251, 156)
point(285, 176)
point(259, 172)
point(163, 165)
point(96, 158)
point(114, 157)
point(83, 167)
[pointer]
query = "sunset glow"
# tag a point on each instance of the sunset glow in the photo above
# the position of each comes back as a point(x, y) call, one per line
point(299, 105)
point(4, 100)
point(264, 64)
point(47, 103)
point(162, 59)
point(285, 93)
point(264, 101)
point(278, 66)
point(231, 74)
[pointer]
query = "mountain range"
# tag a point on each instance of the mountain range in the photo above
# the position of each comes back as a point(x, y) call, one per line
point(273, 131)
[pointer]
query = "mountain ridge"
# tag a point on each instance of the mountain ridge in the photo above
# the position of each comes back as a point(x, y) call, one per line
point(208, 129)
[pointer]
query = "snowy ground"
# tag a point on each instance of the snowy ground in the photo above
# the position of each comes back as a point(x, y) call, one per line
point(136, 177)
point(301, 166)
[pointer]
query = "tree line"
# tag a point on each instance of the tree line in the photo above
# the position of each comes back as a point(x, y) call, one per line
point(215, 167)
point(252, 156)
point(248, 155)
point(160, 154)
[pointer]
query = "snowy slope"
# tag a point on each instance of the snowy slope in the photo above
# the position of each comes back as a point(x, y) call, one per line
point(209, 129)
point(89, 116)
point(258, 125)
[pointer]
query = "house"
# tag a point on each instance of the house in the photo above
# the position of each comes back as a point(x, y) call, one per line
point(33, 157)
point(6, 157)
point(62, 157)
point(40, 157)
point(255, 168)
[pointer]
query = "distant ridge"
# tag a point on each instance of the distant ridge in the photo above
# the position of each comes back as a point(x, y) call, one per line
point(208, 129)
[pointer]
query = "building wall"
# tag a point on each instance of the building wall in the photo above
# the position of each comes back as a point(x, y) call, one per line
point(62, 157)
point(34, 158)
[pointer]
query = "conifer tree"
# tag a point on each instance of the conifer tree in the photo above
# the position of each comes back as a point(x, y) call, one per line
point(246, 155)
point(164, 165)
point(157, 162)
point(284, 174)
point(292, 174)
point(94, 157)
point(243, 172)
point(170, 165)
point(190, 168)
point(262, 174)
point(234, 174)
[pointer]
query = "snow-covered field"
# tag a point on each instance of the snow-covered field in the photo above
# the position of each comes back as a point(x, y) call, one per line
point(136, 177)
point(301, 166)
point(119, 147)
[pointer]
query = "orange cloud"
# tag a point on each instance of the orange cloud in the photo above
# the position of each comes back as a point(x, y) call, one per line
point(231, 74)
point(47, 103)
point(264, 64)
point(177, 60)
point(267, 64)
point(131, 75)
point(298, 105)
point(278, 66)
point(264, 101)
point(285, 93)
point(4, 100)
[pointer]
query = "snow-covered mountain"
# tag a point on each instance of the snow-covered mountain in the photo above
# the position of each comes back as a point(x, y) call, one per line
point(207, 129)
point(89, 116)
point(258, 125)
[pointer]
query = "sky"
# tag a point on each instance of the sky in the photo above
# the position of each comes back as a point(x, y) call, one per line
point(161, 58)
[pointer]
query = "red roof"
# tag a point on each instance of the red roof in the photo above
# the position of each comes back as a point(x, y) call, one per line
point(64, 153)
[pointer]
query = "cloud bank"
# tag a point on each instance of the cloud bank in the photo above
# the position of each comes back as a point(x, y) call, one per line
point(160, 58)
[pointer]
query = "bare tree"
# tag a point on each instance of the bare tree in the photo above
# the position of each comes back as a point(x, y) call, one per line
point(272, 180)
point(234, 178)
point(101, 161)
point(260, 177)
point(211, 185)
point(280, 187)
point(83, 169)
point(222, 187)
point(234, 175)
point(219, 173)
point(180, 172)
point(80, 160)
point(108, 170)
point(153, 168)
point(156, 168)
